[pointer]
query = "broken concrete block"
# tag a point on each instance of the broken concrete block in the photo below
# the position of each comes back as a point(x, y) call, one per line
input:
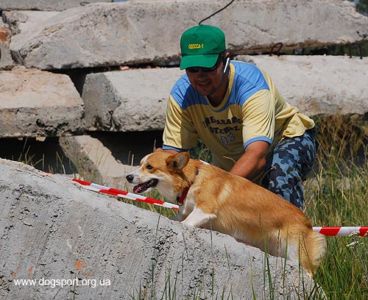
point(6, 61)
point(27, 22)
point(108, 34)
point(4, 33)
point(135, 100)
point(319, 85)
point(53, 230)
point(93, 161)
point(44, 4)
point(132, 100)
point(36, 103)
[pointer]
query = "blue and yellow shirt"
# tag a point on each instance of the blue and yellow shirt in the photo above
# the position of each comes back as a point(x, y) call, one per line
point(252, 110)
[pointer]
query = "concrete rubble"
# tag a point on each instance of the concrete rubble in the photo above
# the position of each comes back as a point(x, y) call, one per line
point(36, 103)
point(94, 161)
point(110, 34)
point(135, 100)
point(54, 233)
point(44, 4)
point(319, 85)
point(6, 61)
point(113, 103)
point(312, 83)
point(51, 229)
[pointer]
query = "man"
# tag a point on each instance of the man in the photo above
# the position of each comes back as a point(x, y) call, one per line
point(235, 109)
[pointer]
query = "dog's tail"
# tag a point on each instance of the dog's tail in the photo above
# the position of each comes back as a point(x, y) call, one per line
point(312, 249)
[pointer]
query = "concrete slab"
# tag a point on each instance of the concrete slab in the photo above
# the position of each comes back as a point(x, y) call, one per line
point(28, 22)
point(132, 100)
point(4, 33)
point(76, 244)
point(36, 103)
point(44, 4)
point(6, 61)
point(107, 34)
point(93, 161)
point(135, 100)
point(319, 84)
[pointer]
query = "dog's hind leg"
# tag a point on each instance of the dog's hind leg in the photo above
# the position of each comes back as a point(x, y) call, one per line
point(198, 218)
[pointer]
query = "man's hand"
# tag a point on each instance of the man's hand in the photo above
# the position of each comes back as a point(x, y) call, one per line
point(252, 162)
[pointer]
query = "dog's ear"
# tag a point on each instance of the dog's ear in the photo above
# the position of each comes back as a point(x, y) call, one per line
point(177, 162)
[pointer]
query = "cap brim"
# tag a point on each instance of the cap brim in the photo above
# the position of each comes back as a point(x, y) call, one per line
point(205, 61)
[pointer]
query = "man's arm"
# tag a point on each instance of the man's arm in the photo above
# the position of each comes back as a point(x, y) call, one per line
point(252, 162)
point(258, 133)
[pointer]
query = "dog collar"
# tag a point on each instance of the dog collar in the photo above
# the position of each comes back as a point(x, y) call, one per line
point(181, 198)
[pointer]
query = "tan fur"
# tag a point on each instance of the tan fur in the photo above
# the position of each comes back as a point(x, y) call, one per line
point(237, 207)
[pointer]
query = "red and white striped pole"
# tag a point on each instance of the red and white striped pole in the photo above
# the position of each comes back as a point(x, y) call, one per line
point(343, 231)
point(325, 230)
point(123, 194)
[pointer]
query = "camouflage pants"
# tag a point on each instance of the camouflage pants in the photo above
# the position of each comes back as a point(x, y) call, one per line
point(288, 165)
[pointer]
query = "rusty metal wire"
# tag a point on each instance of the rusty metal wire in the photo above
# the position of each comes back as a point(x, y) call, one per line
point(216, 12)
point(276, 48)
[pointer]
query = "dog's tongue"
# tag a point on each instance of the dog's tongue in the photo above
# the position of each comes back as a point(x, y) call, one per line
point(140, 188)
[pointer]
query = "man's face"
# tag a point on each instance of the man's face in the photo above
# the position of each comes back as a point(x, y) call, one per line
point(206, 81)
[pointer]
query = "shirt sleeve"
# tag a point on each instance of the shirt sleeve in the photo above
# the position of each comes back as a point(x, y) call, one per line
point(258, 118)
point(179, 132)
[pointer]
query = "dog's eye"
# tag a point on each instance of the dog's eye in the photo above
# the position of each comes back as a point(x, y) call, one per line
point(149, 167)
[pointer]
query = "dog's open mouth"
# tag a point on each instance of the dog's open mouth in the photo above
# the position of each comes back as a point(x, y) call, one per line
point(140, 188)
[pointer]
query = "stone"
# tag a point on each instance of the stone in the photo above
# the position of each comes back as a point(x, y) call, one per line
point(6, 61)
point(36, 103)
point(4, 33)
point(112, 34)
point(44, 4)
point(27, 22)
point(319, 85)
point(75, 243)
point(132, 100)
point(93, 161)
point(135, 100)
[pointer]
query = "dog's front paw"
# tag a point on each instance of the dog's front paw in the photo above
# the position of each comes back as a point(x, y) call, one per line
point(188, 224)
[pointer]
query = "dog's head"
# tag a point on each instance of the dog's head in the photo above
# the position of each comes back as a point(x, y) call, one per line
point(159, 170)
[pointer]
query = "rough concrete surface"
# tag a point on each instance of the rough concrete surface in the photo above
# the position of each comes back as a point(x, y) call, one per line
point(51, 229)
point(135, 100)
point(6, 61)
point(44, 4)
point(105, 34)
point(94, 161)
point(132, 100)
point(28, 23)
point(319, 84)
point(4, 33)
point(36, 103)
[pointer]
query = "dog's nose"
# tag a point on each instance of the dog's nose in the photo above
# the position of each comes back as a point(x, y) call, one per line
point(129, 178)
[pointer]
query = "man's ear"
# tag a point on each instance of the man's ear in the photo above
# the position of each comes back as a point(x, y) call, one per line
point(177, 161)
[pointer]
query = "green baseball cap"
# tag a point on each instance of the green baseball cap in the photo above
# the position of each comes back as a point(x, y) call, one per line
point(200, 46)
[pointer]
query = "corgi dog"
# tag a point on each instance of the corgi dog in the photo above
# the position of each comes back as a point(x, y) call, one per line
point(218, 200)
